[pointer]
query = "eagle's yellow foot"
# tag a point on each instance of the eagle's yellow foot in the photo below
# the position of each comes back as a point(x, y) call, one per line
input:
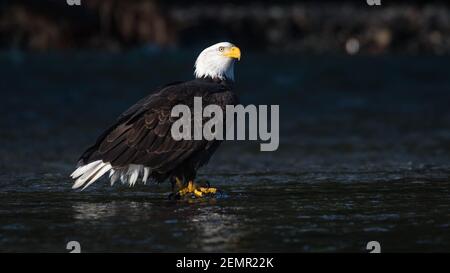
point(193, 189)
point(208, 190)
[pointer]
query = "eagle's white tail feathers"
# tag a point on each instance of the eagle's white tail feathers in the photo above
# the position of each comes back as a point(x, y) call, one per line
point(82, 169)
point(133, 176)
point(146, 173)
point(114, 176)
point(104, 169)
point(87, 174)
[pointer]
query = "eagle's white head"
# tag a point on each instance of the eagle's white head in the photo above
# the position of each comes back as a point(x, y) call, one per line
point(217, 61)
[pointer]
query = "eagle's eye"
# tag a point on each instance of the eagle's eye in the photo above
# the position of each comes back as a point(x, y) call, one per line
point(221, 48)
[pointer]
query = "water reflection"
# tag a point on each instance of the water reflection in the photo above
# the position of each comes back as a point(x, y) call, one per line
point(93, 211)
point(215, 229)
point(97, 211)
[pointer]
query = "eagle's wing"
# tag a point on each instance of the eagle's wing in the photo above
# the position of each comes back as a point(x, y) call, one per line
point(142, 134)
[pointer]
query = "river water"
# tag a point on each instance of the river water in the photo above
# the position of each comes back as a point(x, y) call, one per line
point(364, 156)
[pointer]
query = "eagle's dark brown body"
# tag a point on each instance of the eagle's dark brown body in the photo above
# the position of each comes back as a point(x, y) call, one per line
point(142, 134)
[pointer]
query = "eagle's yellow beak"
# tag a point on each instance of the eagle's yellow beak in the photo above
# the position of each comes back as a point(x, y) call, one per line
point(232, 52)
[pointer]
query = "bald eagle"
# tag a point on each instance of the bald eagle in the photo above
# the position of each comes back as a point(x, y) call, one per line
point(139, 145)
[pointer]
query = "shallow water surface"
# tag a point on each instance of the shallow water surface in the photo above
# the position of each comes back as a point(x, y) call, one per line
point(361, 158)
point(258, 213)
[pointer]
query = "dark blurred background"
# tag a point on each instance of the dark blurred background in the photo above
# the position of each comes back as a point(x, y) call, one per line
point(294, 26)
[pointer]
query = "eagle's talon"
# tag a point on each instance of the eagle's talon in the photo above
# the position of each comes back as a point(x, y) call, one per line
point(195, 191)
point(198, 193)
point(208, 190)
